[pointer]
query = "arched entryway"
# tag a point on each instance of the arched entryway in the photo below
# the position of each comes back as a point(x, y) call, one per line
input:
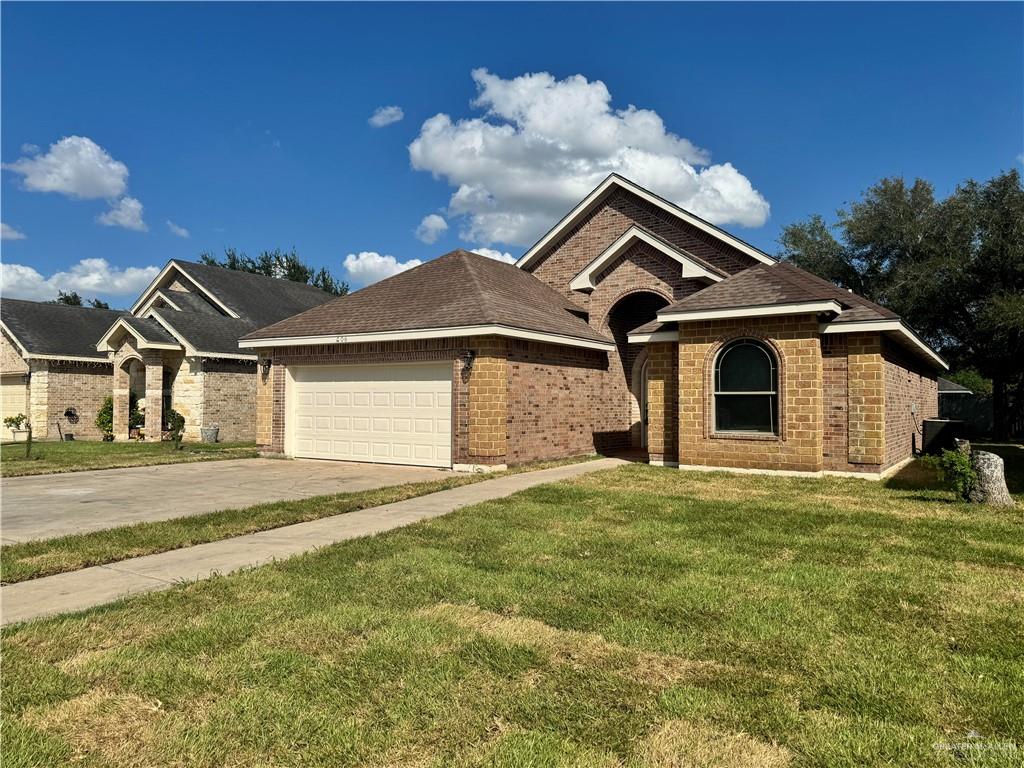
point(629, 366)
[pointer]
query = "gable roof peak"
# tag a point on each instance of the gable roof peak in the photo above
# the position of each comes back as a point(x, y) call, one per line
point(602, 191)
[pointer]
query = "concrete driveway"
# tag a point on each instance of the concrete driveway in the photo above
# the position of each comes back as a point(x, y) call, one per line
point(46, 506)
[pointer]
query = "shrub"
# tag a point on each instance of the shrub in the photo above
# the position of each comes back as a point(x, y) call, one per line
point(15, 422)
point(105, 415)
point(956, 472)
point(175, 425)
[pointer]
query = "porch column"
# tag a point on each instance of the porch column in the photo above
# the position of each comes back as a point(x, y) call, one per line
point(122, 382)
point(154, 398)
point(662, 403)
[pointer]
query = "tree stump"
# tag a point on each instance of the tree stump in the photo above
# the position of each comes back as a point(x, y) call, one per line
point(991, 486)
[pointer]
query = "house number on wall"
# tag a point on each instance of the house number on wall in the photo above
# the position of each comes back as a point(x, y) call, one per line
point(340, 339)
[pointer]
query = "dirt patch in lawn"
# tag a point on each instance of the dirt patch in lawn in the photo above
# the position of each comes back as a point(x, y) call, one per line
point(682, 744)
point(565, 646)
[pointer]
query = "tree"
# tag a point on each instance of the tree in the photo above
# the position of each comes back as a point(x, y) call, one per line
point(954, 269)
point(277, 263)
point(73, 299)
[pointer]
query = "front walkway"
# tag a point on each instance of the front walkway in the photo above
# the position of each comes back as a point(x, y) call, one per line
point(47, 506)
point(103, 584)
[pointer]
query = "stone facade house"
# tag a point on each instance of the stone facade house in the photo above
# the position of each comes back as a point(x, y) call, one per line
point(177, 347)
point(631, 325)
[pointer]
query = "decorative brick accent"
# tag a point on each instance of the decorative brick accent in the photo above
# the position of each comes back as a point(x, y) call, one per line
point(663, 402)
point(866, 395)
point(229, 398)
point(798, 446)
point(488, 403)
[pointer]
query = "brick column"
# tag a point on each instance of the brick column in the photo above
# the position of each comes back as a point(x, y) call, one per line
point(662, 403)
point(264, 403)
point(277, 425)
point(154, 398)
point(866, 383)
point(122, 383)
point(488, 403)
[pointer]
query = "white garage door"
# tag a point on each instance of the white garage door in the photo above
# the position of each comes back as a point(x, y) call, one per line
point(15, 399)
point(393, 414)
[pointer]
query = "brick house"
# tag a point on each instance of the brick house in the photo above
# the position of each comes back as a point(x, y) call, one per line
point(631, 325)
point(177, 347)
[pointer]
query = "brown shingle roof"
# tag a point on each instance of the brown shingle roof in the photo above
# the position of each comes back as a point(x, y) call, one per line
point(782, 283)
point(455, 290)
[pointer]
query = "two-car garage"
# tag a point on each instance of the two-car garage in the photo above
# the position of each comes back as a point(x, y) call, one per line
point(395, 413)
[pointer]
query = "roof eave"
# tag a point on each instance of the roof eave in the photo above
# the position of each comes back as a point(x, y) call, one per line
point(490, 329)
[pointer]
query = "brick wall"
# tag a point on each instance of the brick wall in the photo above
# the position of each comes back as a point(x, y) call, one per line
point(663, 402)
point(908, 383)
point(488, 402)
point(11, 361)
point(264, 414)
point(607, 222)
point(55, 387)
point(557, 406)
point(866, 398)
point(229, 398)
point(798, 446)
point(187, 392)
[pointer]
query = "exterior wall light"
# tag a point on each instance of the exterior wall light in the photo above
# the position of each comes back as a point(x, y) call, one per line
point(265, 366)
point(467, 358)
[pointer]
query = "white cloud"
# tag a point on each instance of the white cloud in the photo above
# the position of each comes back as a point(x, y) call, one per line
point(431, 228)
point(7, 232)
point(88, 276)
point(490, 253)
point(543, 144)
point(176, 230)
point(75, 166)
point(127, 213)
point(385, 116)
point(368, 267)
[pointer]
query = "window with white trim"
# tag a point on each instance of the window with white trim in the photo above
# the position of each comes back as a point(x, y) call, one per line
point(746, 388)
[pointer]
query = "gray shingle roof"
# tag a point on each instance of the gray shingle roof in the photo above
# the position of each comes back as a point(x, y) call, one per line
point(207, 333)
point(257, 298)
point(947, 387)
point(149, 330)
point(191, 302)
point(782, 283)
point(57, 329)
point(455, 290)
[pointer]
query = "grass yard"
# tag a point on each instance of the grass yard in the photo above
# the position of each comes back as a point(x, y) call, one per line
point(635, 617)
point(49, 457)
point(33, 559)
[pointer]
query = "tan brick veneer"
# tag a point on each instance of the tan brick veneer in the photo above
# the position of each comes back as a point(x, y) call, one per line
point(488, 402)
point(663, 402)
point(866, 396)
point(798, 446)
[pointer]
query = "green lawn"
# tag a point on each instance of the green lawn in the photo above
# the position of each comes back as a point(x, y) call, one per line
point(635, 617)
point(30, 560)
point(74, 456)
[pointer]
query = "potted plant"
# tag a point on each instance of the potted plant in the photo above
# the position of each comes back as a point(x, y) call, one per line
point(19, 427)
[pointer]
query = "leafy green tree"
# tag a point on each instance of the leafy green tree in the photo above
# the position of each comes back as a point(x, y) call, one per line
point(73, 299)
point(280, 264)
point(954, 269)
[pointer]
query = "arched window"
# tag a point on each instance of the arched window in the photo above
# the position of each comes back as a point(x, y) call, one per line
point(746, 388)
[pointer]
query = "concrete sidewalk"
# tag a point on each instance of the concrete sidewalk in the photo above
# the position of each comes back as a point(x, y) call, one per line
point(105, 583)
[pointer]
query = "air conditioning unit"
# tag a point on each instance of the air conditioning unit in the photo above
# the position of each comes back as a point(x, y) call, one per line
point(937, 435)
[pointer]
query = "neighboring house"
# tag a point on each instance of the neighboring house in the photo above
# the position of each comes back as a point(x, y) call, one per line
point(177, 347)
point(632, 324)
point(961, 404)
point(49, 366)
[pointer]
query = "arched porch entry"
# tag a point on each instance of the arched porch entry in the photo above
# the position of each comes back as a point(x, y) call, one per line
point(630, 367)
point(145, 382)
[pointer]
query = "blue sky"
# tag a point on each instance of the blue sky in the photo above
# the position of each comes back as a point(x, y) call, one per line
point(247, 125)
